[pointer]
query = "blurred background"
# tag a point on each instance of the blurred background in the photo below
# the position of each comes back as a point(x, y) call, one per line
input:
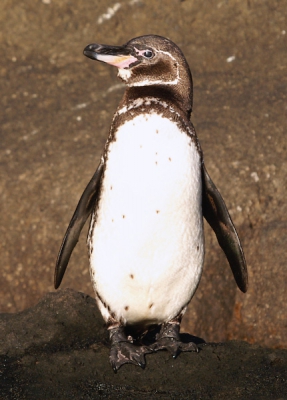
point(56, 109)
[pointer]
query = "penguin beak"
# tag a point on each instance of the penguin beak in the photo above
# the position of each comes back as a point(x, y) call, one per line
point(118, 56)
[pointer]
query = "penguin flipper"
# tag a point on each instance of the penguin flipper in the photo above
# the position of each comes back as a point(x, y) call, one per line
point(216, 214)
point(81, 214)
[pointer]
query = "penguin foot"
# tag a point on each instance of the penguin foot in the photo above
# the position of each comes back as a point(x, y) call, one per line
point(123, 351)
point(169, 339)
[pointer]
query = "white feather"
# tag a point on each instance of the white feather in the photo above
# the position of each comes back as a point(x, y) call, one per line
point(147, 243)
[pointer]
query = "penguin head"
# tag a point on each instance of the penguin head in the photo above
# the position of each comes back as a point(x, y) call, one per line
point(149, 61)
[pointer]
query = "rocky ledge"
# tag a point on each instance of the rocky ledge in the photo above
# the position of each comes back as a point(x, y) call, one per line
point(58, 350)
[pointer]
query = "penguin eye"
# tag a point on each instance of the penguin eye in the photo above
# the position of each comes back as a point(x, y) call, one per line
point(148, 54)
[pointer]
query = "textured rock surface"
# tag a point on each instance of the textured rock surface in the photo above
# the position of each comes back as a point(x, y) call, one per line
point(57, 350)
point(56, 111)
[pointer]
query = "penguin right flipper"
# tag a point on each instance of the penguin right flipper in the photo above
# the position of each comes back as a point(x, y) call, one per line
point(81, 214)
point(216, 213)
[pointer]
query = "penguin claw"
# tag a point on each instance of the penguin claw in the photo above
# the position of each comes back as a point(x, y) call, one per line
point(123, 351)
point(127, 353)
point(174, 347)
point(169, 339)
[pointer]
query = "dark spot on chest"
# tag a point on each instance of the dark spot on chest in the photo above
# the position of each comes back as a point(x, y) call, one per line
point(126, 308)
point(131, 276)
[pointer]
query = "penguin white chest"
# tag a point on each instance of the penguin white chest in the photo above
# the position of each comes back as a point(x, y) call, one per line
point(146, 237)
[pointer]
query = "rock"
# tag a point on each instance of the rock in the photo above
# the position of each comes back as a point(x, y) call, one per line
point(59, 321)
point(58, 350)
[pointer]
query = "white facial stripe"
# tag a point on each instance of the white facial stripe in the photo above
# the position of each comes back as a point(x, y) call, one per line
point(147, 82)
point(167, 53)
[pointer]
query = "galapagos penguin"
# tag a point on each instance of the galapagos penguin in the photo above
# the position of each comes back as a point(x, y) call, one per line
point(147, 200)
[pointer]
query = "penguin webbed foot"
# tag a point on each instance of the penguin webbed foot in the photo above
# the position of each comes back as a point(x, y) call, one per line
point(169, 339)
point(124, 351)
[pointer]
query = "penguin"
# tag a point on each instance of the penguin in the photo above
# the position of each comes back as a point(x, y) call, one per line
point(147, 200)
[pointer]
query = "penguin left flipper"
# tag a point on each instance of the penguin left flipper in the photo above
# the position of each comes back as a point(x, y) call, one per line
point(216, 213)
point(81, 214)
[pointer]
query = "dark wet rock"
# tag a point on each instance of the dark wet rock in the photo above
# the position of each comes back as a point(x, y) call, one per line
point(57, 350)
